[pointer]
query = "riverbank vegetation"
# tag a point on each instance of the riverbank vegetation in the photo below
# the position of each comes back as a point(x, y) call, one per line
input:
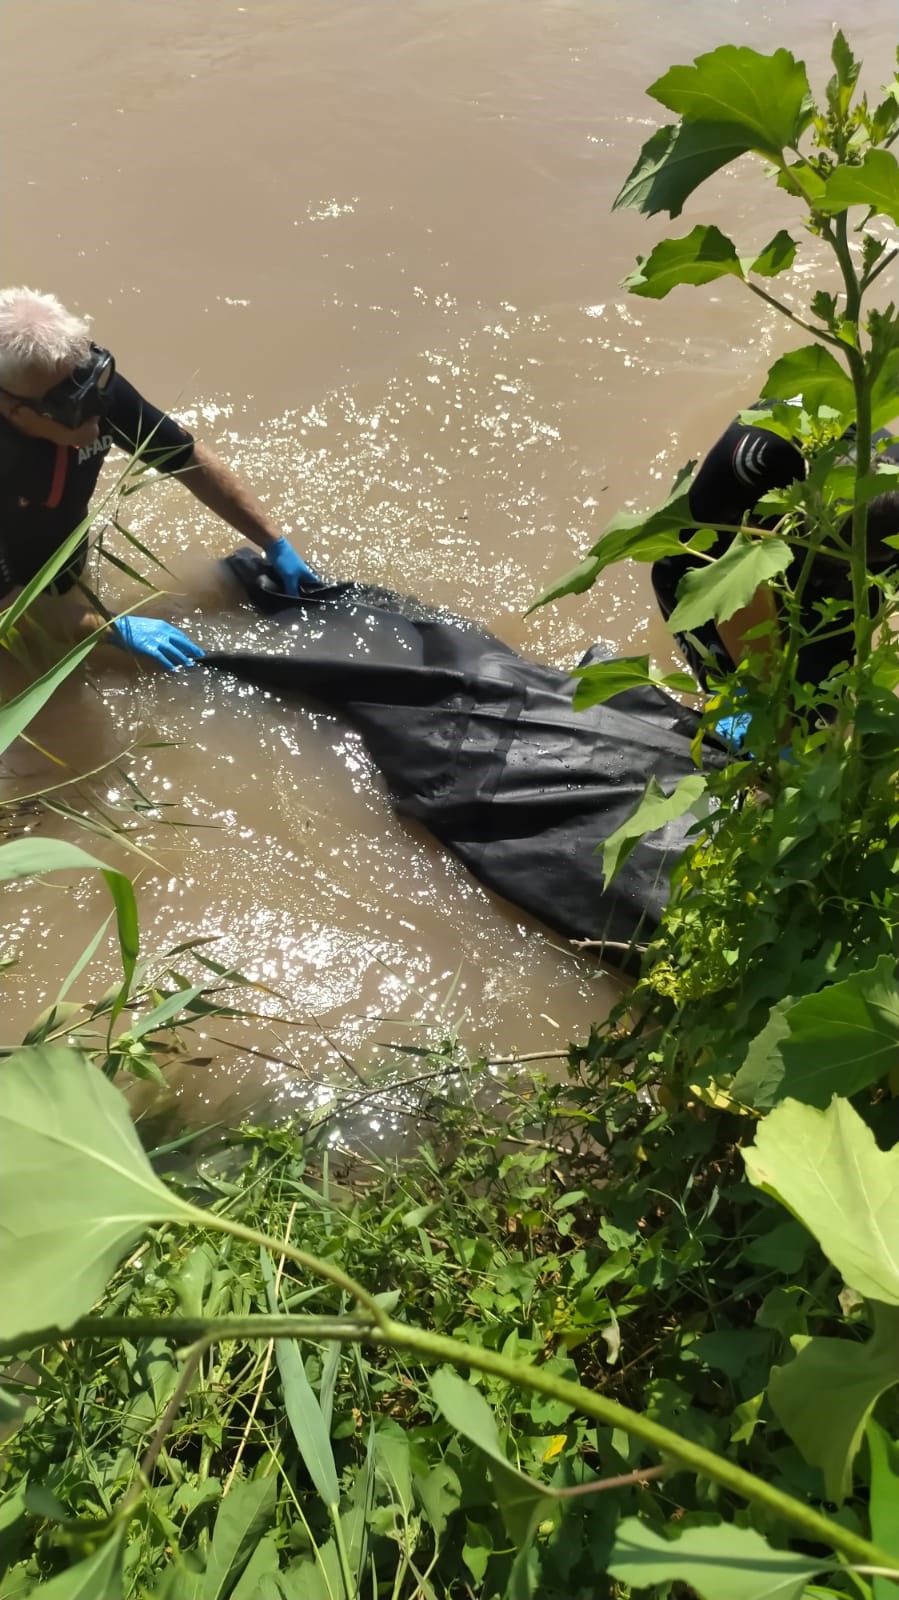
point(631, 1330)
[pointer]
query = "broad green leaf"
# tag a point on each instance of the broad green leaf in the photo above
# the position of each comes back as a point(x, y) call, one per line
point(814, 374)
point(524, 1578)
point(14, 1516)
point(853, 1376)
point(301, 1404)
point(778, 256)
point(825, 1166)
point(440, 1493)
point(799, 179)
point(604, 679)
point(776, 417)
point(841, 85)
point(701, 256)
point(26, 858)
point(655, 810)
point(715, 591)
point(477, 1548)
point(837, 1041)
point(883, 1508)
point(577, 581)
point(874, 183)
point(13, 1408)
point(758, 1080)
point(243, 1517)
point(885, 399)
point(633, 536)
point(675, 161)
point(721, 1563)
point(646, 538)
point(99, 1577)
point(522, 1501)
point(76, 1189)
point(767, 97)
point(319, 1579)
point(263, 1563)
point(393, 1465)
point(15, 1584)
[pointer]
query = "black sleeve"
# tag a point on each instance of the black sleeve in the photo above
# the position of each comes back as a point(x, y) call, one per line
point(135, 425)
point(744, 464)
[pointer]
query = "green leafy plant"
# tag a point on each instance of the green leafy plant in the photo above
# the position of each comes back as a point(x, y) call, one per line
point(774, 971)
point(59, 1116)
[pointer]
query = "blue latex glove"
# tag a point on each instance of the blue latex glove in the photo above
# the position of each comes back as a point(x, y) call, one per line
point(288, 568)
point(158, 641)
point(733, 729)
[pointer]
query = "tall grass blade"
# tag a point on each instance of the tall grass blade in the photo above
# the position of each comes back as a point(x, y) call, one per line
point(26, 858)
point(165, 1012)
point(303, 1410)
point(132, 538)
point(41, 579)
point(130, 572)
point(99, 824)
point(16, 714)
point(85, 957)
point(330, 1366)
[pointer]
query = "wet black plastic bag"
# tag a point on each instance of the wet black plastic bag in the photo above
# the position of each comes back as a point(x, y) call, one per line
point(485, 749)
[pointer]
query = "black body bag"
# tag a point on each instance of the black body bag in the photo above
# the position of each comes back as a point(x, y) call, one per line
point(485, 749)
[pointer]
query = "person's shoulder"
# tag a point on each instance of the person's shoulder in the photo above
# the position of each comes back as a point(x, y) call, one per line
point(121, 392)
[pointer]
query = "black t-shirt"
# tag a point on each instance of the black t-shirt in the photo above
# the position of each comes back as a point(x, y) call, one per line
point(744, 464)
point(45, 489)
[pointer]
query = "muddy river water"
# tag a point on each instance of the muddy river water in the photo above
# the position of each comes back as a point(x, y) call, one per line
point(366, 251)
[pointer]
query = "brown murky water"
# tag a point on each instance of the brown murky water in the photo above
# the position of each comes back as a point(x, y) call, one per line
point(366, 251)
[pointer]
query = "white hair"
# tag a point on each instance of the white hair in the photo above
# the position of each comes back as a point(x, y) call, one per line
point(38, 334)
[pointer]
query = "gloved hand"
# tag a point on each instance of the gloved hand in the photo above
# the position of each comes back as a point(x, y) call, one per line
point(157, 640)
point(288, 568)
point(733, 729)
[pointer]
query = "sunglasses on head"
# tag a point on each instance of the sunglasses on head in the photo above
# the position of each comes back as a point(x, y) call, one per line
point(80, 396)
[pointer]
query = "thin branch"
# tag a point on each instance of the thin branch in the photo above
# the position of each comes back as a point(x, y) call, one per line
point(885, 261)
point(607, 944)
point(807, 327)
point(624, 1480)
point(347, 1060)
point(532, 1055)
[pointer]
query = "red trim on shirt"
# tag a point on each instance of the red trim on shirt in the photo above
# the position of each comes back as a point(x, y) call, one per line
point(60, 469)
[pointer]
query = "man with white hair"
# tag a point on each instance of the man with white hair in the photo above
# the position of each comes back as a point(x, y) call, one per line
point(63, 405)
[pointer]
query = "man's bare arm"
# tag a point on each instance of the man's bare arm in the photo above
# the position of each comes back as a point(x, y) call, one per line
point(732, 633)
point(216, 486)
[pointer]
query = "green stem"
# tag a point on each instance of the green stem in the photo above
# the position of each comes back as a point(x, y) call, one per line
point(863, 625)
point(807, 327)
point(343, 1556)
point(791, 652)
point(438, 1347)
